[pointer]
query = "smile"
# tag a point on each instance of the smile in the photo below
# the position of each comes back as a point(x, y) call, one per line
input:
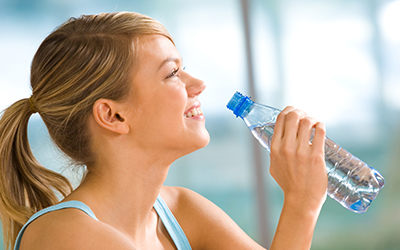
point(193, 112)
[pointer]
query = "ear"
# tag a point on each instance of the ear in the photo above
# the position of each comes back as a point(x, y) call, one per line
point(105, 113)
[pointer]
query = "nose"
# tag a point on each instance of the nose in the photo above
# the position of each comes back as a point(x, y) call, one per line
point(194, 86)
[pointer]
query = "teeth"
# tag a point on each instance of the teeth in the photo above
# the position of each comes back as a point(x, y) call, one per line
point(193, 112)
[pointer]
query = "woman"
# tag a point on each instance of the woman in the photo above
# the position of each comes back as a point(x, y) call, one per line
point(114, 96)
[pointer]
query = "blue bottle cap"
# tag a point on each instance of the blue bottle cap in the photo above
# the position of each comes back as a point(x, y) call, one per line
point(239, 104)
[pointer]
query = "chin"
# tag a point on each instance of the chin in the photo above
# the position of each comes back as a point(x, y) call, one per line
point(205, 139)
point(201, 142)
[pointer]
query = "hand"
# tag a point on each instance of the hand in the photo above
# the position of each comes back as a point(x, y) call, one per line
point(297, 165)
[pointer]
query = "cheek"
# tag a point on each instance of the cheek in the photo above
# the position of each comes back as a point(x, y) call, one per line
point(162, 104)
point(173, 101)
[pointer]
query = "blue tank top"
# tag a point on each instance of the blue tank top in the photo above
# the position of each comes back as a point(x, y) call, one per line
point(166, 216)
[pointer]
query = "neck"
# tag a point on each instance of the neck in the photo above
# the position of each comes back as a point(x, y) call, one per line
point(122, 193)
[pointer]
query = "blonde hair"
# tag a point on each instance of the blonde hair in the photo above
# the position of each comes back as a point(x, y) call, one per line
point(85, 59)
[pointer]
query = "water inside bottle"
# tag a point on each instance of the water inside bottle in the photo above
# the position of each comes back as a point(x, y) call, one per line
point(263, 133)
point(351, 182)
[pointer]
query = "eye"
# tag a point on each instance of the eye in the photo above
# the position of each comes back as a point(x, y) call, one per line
point(174, 73)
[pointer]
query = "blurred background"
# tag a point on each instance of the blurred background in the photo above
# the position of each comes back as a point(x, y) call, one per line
point(337, 59)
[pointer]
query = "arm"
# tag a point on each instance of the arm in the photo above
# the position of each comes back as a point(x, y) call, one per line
point(299, 169)
point(205, 224)
point(296, 165)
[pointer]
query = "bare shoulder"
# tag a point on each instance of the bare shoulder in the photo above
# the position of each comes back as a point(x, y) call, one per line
point(204, 223)
point(178, 197)
point(188, 204)
point(71, 228)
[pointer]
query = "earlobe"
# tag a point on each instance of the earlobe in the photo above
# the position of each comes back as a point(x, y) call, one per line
point(105, 113)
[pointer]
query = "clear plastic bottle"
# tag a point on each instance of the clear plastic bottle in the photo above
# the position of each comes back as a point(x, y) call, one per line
point(351, 182)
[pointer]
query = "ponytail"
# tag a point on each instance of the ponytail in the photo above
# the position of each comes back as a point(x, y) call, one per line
point(25, 186)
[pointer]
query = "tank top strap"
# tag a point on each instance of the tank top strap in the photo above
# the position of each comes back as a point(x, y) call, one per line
point(165, 214)
point(172, 225)
point(68, 204)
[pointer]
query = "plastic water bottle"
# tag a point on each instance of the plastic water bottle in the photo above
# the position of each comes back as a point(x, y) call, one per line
point(351, 182)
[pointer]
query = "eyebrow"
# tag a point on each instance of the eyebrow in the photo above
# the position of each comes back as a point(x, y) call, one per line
point(169, 59)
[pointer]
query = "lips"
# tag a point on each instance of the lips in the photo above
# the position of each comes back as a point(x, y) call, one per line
point(193, 111)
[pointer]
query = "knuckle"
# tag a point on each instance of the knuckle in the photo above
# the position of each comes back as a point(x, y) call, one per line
point(293, 115)
point(287, 150)
point(296, 114)
point(288, 108)
point(302, 155)
point(281, 115)
point(301, 113)
point(321, 127)
point(274, 149)
point(285, 112)
point(307, 121)
point(275, 153)
point(317, 157)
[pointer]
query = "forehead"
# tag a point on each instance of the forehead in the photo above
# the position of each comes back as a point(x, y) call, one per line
point(154, 49)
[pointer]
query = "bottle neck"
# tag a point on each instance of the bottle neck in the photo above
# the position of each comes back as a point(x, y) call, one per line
point(259, 114)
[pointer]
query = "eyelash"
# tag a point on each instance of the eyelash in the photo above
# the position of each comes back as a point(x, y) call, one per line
point(175, 72)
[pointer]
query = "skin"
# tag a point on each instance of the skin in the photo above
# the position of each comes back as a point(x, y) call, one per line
point(133, 161)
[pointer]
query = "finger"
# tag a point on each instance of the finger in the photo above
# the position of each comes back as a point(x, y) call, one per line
point(279, 128)
point(292, 122)
point(318, 144)
point(305, 127)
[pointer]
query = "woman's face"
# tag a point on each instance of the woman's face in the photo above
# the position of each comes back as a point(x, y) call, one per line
point(165, 111)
